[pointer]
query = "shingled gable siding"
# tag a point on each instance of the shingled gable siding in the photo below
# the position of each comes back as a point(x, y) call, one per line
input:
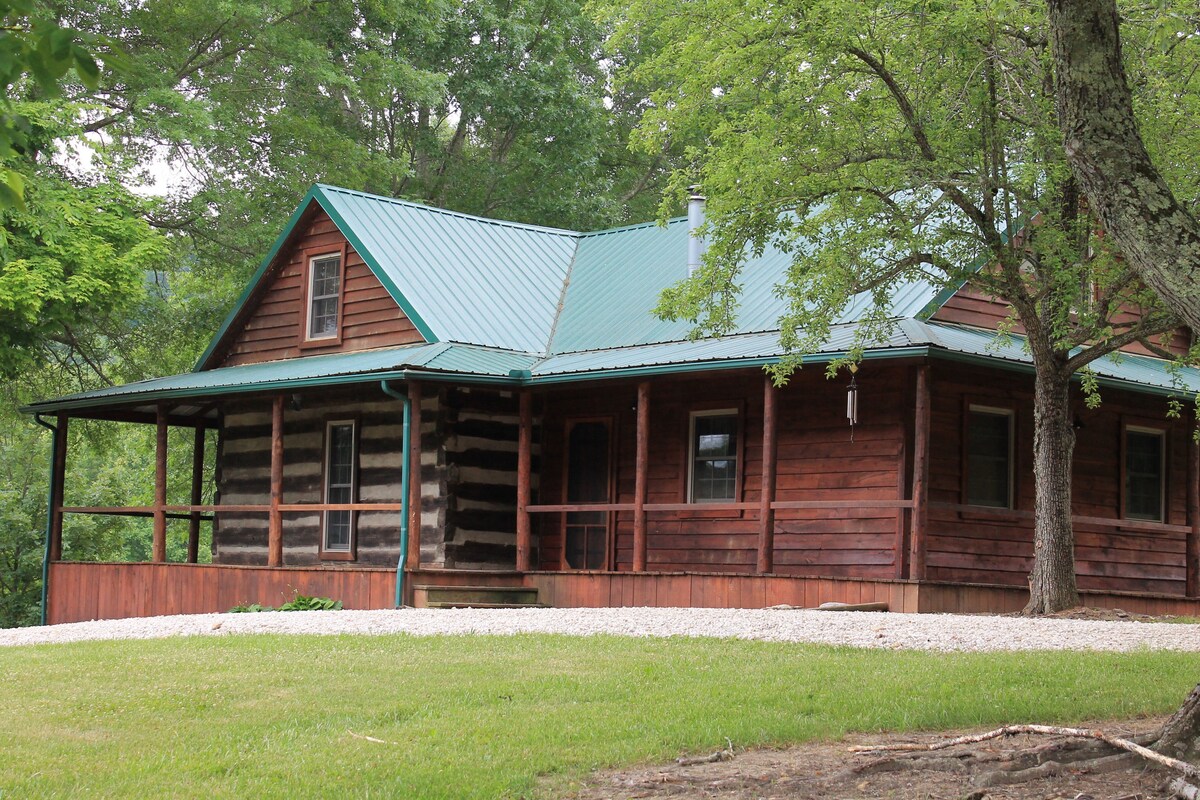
point(245, 478)
point(971, 306)
point(274, 325)
point(469, 460)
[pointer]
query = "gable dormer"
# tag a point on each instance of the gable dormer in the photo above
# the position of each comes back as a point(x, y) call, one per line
point(973, 306)
point(317, 296)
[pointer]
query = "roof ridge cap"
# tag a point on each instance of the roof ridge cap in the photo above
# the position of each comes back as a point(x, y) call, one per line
point(633, 226)
point(328, 188)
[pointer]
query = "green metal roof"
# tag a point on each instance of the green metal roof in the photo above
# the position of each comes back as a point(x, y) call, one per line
point(472, 364)
point(520, 304)
point(618, 275)
point(466, 362)
point(500, 284)
point(470, 279)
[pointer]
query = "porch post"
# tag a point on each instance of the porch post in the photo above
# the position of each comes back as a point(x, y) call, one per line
point(159, 547)
point(57, 481)
point(275, 517)
point(1192, 570)
point(524, 480)
point(920, 491)
point(193, 543)
point(766, 515)
point(639, 490)
point(413, 559)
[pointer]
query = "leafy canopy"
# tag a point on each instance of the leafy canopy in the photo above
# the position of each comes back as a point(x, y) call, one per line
point(882, 143)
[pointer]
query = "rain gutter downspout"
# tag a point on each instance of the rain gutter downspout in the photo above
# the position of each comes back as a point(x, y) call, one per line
point(50, 503)
point(404, 484)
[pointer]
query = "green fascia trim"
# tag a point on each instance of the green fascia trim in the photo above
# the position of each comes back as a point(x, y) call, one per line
point(258, 274)
point(348, 231)
point(1028, 369)
point(315, 194)
point(721, 364)
point(951, 289)
point(523, 379)
point(290, 384)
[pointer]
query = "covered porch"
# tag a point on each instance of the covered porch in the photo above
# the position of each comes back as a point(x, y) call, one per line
point(814, 518)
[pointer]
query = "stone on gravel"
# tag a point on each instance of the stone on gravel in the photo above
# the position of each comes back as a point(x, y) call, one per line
point(940, 632)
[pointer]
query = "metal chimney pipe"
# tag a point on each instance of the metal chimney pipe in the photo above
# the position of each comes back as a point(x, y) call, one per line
point(696, 244)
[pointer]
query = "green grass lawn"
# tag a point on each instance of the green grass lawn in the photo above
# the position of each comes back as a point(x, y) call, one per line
point(484, 717)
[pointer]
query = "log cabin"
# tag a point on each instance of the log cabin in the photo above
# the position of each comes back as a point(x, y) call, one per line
point(415, 406)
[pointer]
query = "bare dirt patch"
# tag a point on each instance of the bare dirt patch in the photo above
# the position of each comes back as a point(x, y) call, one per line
point(832, 770)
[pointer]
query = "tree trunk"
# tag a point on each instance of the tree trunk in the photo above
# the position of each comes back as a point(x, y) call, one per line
point(1052, 581)
point(1159, 238)
point(1180, 737)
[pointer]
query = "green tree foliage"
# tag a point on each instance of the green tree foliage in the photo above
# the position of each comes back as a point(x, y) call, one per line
point(885, 142)
point(488, 107)
point(35, 53)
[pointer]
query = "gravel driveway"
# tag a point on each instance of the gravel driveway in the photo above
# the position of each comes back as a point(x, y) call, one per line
point(944, 632)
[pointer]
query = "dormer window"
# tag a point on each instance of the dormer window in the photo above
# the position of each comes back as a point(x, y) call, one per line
point(324, 296)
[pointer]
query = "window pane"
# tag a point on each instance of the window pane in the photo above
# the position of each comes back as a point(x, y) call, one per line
point(716, 436)
point(337, 530)
point(323, 300)
point(714, 458)
point(326, 277)
point(339, 486)
point(1143, 475)
point(324, 317)
point(989, 471)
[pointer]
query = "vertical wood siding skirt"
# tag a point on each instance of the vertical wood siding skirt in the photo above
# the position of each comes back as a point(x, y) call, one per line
point(85, 591)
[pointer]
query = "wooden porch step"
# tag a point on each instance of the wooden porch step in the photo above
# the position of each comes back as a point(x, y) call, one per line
point(431, 596)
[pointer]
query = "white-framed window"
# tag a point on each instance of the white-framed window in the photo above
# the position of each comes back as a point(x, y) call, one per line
point(989, 454)
point(713, 456)
point(1145, 473)
point(324, 296)
point(341, 475)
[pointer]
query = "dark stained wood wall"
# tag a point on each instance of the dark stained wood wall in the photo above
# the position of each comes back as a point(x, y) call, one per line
point(972, 306)
point(816, 461)
point(272, 326)
point(993, 546)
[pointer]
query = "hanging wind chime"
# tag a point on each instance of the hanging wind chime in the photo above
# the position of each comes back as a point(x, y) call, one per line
point(852, 400)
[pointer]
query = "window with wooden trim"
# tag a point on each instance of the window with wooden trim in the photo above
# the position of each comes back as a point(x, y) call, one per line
point(1145, 471)
point(989, 455)
point(324, 296)
point(341, 475)
point(713, 456)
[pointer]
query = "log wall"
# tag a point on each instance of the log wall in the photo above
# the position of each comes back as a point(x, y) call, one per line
point(271, 326)
point(470, 470)
point(816, 461)
point(995, 546)
point(245, 467)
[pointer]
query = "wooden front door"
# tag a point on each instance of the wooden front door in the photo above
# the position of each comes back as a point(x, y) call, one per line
point(588, 481)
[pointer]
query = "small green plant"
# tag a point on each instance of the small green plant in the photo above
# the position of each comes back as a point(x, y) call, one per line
point(248, 609)
point(301, 602)
point(305, 603)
